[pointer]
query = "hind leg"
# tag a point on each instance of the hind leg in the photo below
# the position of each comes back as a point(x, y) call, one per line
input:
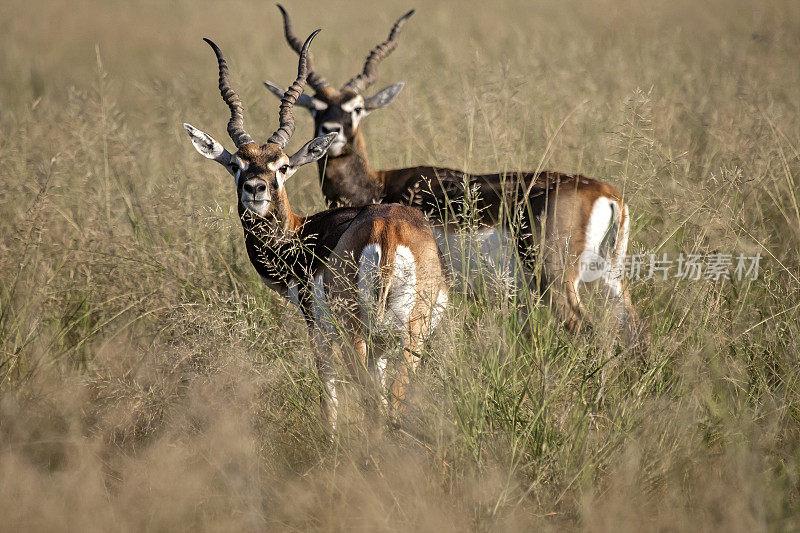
point(558, 290)
point(403, 367)
point(356, 360)
point(566, 302)
point(329, 401)
point(625, 319)
point(559, 279)
point(624, 313)
point(359, 365)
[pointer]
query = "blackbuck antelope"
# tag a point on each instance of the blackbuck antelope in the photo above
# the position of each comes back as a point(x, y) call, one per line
point(544, 222)
point(357, 273)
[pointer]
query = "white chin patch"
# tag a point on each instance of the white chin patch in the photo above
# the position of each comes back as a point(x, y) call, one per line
point(257, 207)
point(337, 146)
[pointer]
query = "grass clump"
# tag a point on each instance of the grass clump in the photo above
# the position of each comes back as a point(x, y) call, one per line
point(149, 381)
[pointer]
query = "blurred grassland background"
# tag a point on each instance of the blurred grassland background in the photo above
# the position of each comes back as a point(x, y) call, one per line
point(149, 381)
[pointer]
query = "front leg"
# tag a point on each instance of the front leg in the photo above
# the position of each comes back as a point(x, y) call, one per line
point(329, 401)
point(324, 360)
point(377, 368)
point(317, 314)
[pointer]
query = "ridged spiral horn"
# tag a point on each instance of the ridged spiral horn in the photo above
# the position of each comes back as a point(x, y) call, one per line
point(286, 115)
point(316, 81)
point(378, 54)
point(236, 123)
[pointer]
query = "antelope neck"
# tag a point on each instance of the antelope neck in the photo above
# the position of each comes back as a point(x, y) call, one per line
point(353, 181)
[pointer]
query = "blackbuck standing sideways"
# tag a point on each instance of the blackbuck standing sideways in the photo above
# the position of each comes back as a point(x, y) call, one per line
point(579, 226)
point(357, 273)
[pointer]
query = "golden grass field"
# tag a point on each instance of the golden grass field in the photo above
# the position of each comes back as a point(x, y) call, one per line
point(149, 381)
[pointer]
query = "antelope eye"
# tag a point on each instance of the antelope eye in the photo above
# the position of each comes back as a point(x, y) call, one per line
point(284, 169)
point(358, 109)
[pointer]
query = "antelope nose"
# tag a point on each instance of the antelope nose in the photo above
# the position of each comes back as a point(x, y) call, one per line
point(330, 127)
point(255, 188)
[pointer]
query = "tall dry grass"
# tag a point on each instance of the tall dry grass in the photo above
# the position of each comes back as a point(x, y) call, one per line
point(150, 382)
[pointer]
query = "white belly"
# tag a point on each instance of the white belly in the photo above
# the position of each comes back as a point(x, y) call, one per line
point(387, 309)
point(483, 260)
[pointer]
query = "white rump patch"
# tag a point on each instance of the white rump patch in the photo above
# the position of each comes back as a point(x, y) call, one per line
point(607, 237)
point(599, 225)
point(403, 289)
point(617, 259)
point(369, 281)
point(595, 261)
point(387, 307)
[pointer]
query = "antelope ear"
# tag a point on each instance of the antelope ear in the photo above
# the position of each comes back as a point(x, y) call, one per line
point(304, 100)
point(313, 150)
point(383, 97)
point(209, 147)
